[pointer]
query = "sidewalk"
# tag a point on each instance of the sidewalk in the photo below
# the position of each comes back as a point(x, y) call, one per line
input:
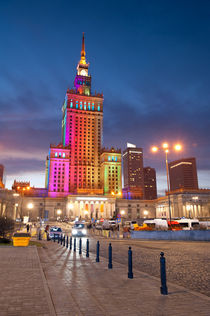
point(80, 286)
point(23, 286)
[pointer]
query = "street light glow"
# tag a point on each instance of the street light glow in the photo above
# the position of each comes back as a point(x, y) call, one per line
point(178, 147)
point(165, 145)
point(59, 212)
point(30, 205)
point(154, 149)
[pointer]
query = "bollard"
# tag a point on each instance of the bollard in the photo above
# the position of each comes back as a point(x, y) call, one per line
point(110, 256)
point(54, 237)
point(87, 248)
point(130, 264)
point(109, 234)
point(80, 246)
point(61, 239)
point(97, 251)
point(70, 243)
point(67, 241)
point(163, 288)
point(64, 240)
point(40, 235)
point(58, 238)
point(74, 244)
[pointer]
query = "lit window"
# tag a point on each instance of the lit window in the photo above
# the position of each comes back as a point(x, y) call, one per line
point(98, 107)
point(77, 106)
point(85, 107)
point(93, 103)
point(80, 106)
point(109, 158)
point(59, 154)
point(56, 154)
point(112, 158)
point(93, 107)
point(115, 158)
point(64, 155)
point(88, 107)
point(71, 104)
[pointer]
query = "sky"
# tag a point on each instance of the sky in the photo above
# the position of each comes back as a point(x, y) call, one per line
point(151, 60)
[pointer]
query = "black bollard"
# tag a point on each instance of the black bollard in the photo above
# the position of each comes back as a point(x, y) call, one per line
point(110, 256)
point(61, 239)
point(58, 238)
point(54, 237)
point(97, 251)
point(74, 244)
point(87, 248)
point(130, 264)
point(70, 243)
point(163, 288)
point(64, 240)
point(67, 241)
point(80, 246)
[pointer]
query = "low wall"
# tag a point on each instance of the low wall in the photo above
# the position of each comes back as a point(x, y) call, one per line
point(195, 235)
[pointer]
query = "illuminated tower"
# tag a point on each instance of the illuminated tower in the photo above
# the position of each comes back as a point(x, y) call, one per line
point(111, 175)
point(82, 131)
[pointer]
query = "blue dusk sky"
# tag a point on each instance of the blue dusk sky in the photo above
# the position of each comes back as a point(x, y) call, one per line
point(151, 60)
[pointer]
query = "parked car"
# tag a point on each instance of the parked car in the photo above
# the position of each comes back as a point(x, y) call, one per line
point(55, 232)
point(79, 230)
point(130, 224)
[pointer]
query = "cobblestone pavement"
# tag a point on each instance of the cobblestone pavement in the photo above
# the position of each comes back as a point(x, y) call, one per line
point(188, 263)
point(80, 286)
point(23, 291)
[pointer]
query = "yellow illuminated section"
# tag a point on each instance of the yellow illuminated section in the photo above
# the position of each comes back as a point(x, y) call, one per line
point(83, 59)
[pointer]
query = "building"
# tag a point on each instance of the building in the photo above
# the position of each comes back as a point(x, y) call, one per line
point(135, 209)
point(133, 172)
point(183, 174)
point(1, 176)
point(150, 186)
point(111, 175)
point(185, 203)
point(21, 186)
point(82, 125)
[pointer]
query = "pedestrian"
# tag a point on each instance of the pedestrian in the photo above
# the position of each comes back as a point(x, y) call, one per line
point(27, 227)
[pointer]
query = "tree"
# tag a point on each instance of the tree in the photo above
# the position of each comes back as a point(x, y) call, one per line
point(6, 226)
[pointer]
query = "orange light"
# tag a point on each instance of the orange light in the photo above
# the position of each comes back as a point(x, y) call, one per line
point(165, 145)
point(24, 189)
point(119, 193)
point(18, 188)
point(166, 151)
point(112, 193)
point(154, 149)
point(178, 147)
point(28, 188)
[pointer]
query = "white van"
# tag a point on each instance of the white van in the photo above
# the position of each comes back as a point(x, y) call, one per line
point(157, 223)
point(188, 223)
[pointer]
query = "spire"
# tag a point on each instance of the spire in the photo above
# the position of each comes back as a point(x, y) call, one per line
point(83, 59)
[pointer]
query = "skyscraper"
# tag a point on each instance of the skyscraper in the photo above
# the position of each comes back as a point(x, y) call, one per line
point(183, 174)
point(1, 176)
point(133, 172)
point(111, 176)
point(150, 187)
point(82, 125)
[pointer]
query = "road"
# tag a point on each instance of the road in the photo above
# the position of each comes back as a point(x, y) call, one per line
point(188, 263)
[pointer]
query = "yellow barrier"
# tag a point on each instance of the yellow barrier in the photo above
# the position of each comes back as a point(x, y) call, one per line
point(21, 239)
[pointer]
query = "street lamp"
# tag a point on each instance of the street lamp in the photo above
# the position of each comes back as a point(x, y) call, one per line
point(165, 147)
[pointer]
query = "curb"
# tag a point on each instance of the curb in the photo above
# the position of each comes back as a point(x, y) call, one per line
point(46, 288)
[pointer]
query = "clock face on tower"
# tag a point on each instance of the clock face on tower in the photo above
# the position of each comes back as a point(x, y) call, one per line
point(83, 72)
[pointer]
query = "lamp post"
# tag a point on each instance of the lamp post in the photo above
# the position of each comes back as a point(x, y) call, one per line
point(165, 147)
